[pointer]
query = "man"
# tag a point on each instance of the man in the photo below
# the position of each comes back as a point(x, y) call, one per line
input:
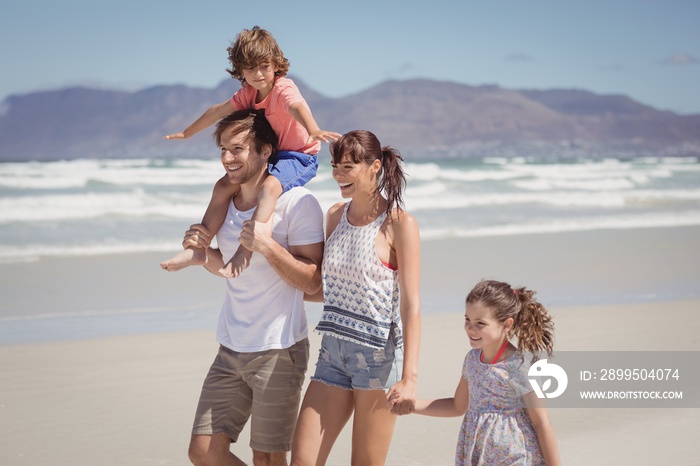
point(262, 329)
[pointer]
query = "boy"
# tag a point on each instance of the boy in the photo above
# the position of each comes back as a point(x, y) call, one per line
point(258, 62)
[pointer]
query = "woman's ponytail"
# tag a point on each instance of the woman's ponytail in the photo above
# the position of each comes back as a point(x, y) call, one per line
point(393, 179)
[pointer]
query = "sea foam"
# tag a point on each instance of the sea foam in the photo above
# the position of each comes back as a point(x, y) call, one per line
point(94, 207)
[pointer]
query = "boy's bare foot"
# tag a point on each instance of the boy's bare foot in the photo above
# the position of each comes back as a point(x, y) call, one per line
point(186, 258)
point(239, 261)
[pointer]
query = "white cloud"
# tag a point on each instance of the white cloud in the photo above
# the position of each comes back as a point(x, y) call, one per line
point(680, 59)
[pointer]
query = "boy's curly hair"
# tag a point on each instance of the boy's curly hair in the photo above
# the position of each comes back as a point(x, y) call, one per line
point(253, 47)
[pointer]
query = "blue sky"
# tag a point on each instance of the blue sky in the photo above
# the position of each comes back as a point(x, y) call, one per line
point(646, 49)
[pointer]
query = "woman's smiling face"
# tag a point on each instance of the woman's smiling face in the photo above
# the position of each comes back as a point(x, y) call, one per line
point(353, 177)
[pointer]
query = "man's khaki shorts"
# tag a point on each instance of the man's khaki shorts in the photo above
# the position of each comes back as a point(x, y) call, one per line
point(264, 386)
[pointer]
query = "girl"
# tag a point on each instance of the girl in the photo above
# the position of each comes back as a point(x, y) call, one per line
point(370, 336)
point(505, 423)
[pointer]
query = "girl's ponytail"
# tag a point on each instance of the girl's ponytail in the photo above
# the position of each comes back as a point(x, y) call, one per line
point(532, 324)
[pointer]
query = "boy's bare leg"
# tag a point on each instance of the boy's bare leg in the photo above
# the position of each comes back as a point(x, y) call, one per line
point(267, 200)
point(213, 218)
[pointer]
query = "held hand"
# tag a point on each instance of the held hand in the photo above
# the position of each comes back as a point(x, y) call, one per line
point(401, 398)
point(255, 236)
point(325, 136)
point(180, 135)
point(197, 237)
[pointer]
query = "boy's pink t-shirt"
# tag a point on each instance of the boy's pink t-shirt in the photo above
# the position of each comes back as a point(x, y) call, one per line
point(291, 134)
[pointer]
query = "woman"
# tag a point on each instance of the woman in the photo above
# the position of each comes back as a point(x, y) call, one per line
point(370, 336)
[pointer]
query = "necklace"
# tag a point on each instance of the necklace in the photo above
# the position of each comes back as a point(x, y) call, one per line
point(498, 355)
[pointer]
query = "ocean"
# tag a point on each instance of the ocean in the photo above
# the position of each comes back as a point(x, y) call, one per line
point(93, 207)
point(88, 208)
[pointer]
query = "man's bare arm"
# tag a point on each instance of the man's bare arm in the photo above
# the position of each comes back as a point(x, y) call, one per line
point(299, 267)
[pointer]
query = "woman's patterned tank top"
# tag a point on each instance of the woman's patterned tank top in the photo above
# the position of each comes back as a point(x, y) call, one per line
point(360, 293)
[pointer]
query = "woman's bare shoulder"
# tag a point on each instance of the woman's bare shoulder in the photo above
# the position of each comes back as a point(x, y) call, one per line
point(333, 217)
point(402, 219)
point(336, 210)
point(401, 228)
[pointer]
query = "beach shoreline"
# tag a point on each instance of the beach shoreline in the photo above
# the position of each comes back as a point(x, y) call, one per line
point(77, 297)
point(570, 268)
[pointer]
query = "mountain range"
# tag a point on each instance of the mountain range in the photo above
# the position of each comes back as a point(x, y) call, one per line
point(422, 118)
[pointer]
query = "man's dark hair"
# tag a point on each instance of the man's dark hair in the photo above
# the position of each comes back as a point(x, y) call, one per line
point(254, 122)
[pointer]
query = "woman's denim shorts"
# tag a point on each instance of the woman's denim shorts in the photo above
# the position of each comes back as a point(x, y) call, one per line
point(351, 366)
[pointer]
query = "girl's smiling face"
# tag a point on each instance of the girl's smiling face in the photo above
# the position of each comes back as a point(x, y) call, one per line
point(483, 330)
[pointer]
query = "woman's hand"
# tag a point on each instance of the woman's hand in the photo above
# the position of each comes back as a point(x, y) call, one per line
point(402, 397)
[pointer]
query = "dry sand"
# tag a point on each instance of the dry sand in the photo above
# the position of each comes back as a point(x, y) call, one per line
point(129, 399)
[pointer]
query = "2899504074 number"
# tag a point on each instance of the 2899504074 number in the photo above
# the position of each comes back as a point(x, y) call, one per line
point(639, 374)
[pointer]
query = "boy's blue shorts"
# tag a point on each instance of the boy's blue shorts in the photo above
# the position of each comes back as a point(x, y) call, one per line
point(293, 169)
